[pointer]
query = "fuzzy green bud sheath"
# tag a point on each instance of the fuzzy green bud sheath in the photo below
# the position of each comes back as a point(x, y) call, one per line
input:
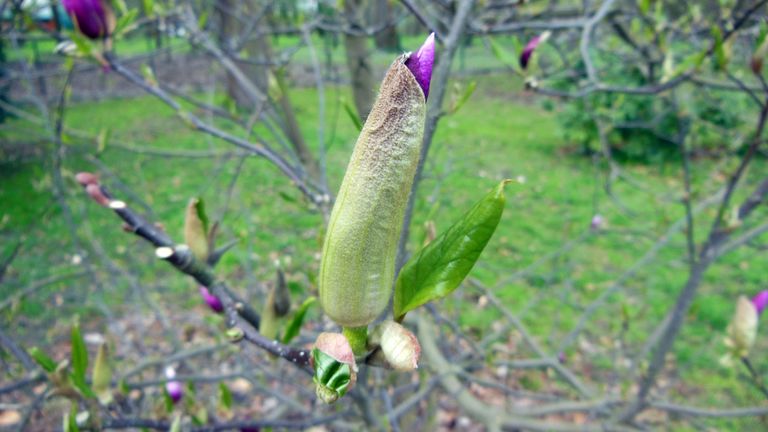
point(358, 263)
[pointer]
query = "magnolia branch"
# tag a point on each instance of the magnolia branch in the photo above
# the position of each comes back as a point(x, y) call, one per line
point(242, 320)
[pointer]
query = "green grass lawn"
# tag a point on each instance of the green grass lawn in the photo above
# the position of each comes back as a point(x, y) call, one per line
point(496, 135)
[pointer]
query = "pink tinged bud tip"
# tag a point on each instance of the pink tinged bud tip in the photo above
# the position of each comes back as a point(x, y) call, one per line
point(420, 63)
point(211, 300)
point(86, 178)
point(175, 390)
point(94, 191)
point(525, 57)
point(760, 301)
point(92, 17)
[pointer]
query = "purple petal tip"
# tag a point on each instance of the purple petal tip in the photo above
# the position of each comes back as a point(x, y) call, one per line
point(760, 301)
point(420, 63)
point(211, 300)
point(527, 53)
point(175, 390)
point(92, 17)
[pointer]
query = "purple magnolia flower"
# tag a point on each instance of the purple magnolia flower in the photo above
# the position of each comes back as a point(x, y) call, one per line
point(94, 18)
point(597, 222)
point(420, 64)
point(525, 57)
point(174, 388)
point(211, 300)
point(760, 301)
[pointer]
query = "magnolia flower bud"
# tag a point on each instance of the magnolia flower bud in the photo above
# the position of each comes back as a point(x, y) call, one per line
point(334, 365)
point(86, 178)
point(597, 223)
point(525, 56)
point(94, 191)
point(94, 18)
point(195, 230)
point(270, 322)
point(211, 300)
point(420, 64)
point(282, 295)
point(102, 375)
point(760, 301)
point(358, 262)
point(174, 388)
point(742, 330)
point(399, 346)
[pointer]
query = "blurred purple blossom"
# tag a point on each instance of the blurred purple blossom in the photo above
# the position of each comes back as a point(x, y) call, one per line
point(525, 57)
point(597, 223)
point(420, 63)
point(175, 390)
point(760, 301)
point(92, 17)
point(211, 300)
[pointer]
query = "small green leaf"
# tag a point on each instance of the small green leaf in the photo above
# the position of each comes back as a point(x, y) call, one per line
point(275, 86)
point(200, 416)
point(202, 20)
point(121, 6)
point(196, 229)
point(101, 376)
point(79, 357)
point(167, 400)
point(444, 263)
point(200, 209)
point(461, 100)
point(502, 54)
point(148, 74)
point(149, 8)
point(83, 45)
point(693, 61)
point(293, 328)
point(42, 359)
point(70, 420)
point(352, 113)
point(762, 33)
point(287, 197)
point(225, 396)
point(101, 140)
point(644, 6)
point(331, 374)
point(176, 425)
point(721, 58)
point(126, 21)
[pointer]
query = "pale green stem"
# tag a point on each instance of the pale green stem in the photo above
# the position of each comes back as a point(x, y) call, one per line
point(357, 337)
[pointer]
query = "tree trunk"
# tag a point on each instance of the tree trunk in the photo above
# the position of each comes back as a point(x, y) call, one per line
point(358, 60)
point(387, 39)
point(234, 23)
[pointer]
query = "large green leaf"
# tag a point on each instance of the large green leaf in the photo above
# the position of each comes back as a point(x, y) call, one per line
point(441, 266)
point(298, 318)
